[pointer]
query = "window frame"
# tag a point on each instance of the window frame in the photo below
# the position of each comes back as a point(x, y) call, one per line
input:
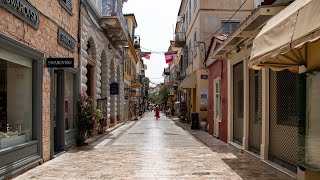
point(217, 103)
point(229, 23)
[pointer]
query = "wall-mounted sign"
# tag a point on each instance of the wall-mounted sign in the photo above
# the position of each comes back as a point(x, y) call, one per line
point(66, 40)
point(114, 88)
point(60, 62)
point(126, 97)
point(204, 76)
point(23, 10)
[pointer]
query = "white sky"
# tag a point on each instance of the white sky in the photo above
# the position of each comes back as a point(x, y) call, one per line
point(155, 19)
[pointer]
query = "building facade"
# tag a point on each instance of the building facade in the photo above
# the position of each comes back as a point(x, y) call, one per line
point(196, 21)
point(264, 107)
point(30, 91)
point(104, 33)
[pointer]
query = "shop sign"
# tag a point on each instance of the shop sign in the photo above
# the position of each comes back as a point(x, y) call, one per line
point(126, 97)
point(60, 62)
point(23, 10)
point(204, 76)
point(66, 40)
point(114, 89)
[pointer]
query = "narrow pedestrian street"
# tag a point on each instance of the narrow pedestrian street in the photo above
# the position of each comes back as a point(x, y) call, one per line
point(151, 149)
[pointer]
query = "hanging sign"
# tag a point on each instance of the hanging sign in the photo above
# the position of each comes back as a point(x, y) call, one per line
point(114, 88)
point(204, 76)
point(60, 62)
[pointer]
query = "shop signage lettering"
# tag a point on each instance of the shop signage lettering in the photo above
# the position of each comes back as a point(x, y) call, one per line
point(66, 40)
point(23, 10)
point(60, 62)
point(114, 89)
point(204, 76)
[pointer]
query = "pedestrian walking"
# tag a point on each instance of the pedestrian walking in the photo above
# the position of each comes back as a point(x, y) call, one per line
point(157, 112)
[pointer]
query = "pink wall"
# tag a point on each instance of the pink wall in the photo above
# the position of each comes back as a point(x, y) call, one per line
point(218, 69)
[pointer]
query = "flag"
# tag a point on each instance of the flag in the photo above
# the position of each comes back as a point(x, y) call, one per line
point(170, 56)
point(145, 55)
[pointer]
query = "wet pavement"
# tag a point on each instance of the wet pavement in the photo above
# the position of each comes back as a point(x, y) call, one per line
point(152, 149)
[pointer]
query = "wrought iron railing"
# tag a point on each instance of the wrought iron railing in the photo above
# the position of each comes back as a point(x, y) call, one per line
point(114, 8)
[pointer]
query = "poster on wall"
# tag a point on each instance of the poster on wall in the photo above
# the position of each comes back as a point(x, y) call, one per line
point(203, 99)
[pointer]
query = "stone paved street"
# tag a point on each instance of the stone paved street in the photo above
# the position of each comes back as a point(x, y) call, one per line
point(151, 149)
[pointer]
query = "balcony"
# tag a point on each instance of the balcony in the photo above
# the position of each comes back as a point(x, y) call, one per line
point(180, 39)
point(113, 22)
point(180, 75)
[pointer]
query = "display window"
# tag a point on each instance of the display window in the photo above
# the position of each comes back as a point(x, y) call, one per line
point(15, 103)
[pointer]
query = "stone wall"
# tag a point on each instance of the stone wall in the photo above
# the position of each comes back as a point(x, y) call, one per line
point(108, 62)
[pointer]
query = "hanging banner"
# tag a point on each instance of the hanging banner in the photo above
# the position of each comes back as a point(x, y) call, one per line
point(170, 56)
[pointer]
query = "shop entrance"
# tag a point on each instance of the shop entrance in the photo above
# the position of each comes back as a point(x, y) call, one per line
point(58, 112)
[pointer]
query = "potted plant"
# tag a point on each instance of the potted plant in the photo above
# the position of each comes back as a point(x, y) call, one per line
point(86, 118)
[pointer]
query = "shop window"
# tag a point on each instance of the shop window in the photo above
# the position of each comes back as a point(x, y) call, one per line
point(69, 99)
point(15, 103)
point(287, 93)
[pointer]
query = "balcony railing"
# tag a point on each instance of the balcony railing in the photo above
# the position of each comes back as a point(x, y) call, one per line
point(180, 39)
point(113, 21)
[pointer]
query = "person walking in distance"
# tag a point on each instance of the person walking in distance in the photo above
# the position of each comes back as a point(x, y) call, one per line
point(157, 112)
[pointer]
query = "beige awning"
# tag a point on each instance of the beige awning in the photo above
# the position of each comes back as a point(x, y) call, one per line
point(189, 82)
point(289, 39)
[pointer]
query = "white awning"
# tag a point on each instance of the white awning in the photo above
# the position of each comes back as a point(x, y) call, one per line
point(289, 38)
point(189, 82)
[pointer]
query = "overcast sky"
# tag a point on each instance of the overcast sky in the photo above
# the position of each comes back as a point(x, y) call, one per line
point(155, 19)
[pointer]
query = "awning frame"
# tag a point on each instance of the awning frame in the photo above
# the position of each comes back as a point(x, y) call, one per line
point(246, 32)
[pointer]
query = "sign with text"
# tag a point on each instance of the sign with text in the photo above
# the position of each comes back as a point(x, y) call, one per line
point(23, 10)
point(66, 40)
point(204, 76)
point(60, 62)
point(114, 88)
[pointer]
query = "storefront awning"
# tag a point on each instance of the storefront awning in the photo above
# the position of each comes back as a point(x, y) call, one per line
point(135, 85)
point(289, 40)
point(189, 82)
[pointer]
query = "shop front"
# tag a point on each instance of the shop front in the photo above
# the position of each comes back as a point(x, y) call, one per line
point(65, 88)
point(296, 50)
point(20, 105)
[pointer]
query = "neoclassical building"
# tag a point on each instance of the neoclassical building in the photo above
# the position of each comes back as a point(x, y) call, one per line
point(103, 35)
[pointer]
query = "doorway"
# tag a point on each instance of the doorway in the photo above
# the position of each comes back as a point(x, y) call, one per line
point(58, 107)
point(90, 85)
